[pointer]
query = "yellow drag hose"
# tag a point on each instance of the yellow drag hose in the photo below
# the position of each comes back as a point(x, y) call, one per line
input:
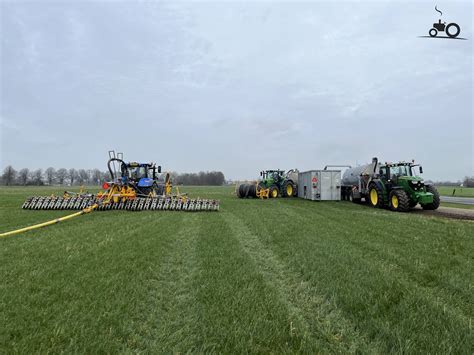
point(54, 221)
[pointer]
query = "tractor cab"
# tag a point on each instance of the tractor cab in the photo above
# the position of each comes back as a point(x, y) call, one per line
point(140, 174)
point(136, 172)
point(401, 176)
point(272, 176)
point(143, 178)
point(392, 171)
point(440, 26)
point(395, 172)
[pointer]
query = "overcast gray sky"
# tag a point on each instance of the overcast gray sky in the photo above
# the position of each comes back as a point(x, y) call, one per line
point(236, 86)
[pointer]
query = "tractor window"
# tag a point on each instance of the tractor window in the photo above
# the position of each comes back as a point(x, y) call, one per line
point(137, 173)
point(401, 170)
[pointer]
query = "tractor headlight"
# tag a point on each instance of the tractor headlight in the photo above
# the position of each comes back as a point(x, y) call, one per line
point(416, 185)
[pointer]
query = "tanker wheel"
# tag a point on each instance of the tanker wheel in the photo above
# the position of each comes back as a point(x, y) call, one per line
point(433, 32)
point(455, 34)
point(353, 199)
point(435, 204)
point(375, 196)
point(273, 191)
point(288, 189)
point(399, 201)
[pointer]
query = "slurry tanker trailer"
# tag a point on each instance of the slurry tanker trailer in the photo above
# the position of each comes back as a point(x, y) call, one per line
point(392, 185)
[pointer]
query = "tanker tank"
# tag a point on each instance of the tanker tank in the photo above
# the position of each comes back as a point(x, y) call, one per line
point(351, 176)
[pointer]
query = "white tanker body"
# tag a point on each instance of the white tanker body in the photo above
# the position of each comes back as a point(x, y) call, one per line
point(355, 180)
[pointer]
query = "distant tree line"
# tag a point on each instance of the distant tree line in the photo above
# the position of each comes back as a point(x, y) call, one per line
point(52, 176)
point(212, 178)
point(467, 182)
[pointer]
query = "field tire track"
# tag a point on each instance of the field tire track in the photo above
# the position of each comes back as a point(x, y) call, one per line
point(311, 316)
point(169, 326)
point(434, 296)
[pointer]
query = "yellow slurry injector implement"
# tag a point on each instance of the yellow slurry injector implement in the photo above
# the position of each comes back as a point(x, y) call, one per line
point(134, 187)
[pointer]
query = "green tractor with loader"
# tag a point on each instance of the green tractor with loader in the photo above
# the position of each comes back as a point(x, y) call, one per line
point(390, 185)
point(273, 183)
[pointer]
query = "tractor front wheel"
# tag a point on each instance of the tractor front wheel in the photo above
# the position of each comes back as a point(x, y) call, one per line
point(399, 201)
point(273, 191)
point(288, 189)
point(413, 203)
point(435, 204)
point(375, 196)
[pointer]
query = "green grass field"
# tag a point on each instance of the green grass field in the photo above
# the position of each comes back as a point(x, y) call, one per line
point(280, 276)
point(460, 191)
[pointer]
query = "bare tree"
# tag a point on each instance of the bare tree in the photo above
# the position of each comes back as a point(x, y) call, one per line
point(96, 176)
point(82, 176)
point(9, 175)
point(105, 176)
point(72, 174)
point(89, 180)
point(50, 172)
point(23, 176)
point(61, 175)
point(468, 181)
point(37, 177)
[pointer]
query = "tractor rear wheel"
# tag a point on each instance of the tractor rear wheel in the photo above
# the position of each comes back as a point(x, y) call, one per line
point(453, 34)
point(399, 201)
point(274, 191)
point(375, 196)
point(435, 204)
point(288, 189)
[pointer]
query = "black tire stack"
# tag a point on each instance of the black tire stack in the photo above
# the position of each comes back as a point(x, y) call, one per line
point(246, 190)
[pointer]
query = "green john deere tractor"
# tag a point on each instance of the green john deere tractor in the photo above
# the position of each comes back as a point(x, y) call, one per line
point(398, 187)
point(280, 183)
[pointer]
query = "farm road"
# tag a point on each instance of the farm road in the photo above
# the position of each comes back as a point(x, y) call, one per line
point(462, 200)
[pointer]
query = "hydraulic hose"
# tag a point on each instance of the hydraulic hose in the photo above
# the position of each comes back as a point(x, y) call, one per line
point(54, 221)
point(112, 175)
